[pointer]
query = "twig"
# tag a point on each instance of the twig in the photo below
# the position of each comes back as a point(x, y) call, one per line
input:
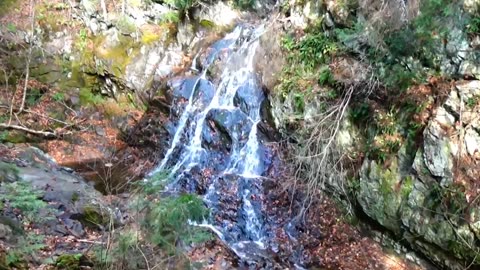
point(144, 257)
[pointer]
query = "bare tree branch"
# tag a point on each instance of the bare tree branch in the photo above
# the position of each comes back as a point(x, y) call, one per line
point(46, 134)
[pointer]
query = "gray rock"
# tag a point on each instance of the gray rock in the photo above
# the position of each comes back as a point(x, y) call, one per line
point(468, 88)
point(8, 172)
point(444, 118)
point(220, 14)
point(469, 68)
point(142, 68)
point(471, 6)
point(89, 6)
point(436, 152)
point(64, 191)
point(6, 232)
point(472, 141)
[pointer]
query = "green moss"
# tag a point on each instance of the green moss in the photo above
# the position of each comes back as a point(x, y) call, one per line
point(49, 21)
point(68, 261)
point(87, 97)
point(460, 250)
point(407, 186)
point(207, 24)
point(94, 216)
point(115, 60)
point(388, 179)
point(126, 25)
point(6, 6)
point(8, 172)
point(171, 17)
point(150, 38)
point(75, 197)
point(14, 136)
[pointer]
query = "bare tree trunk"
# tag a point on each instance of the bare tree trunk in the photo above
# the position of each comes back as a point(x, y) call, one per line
point(29, 56)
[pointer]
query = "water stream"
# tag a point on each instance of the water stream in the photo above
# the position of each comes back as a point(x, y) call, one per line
point(216, 149)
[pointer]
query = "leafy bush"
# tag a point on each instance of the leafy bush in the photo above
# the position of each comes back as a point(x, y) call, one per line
point(312, 50)
point(404, 55)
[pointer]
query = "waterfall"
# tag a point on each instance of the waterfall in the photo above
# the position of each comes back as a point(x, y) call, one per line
point(217, 138)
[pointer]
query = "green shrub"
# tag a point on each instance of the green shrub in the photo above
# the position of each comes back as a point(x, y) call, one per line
point(167, 219)
point(58, 97)
point(326, 77)
point(22, 196)
point(8, 172)
point(181, 5)
point(6, 5)
point(33, 96)
point(68, 261)
point(244, 4)
point(126, 25)
point(28, 246)
point(473, 26)
point(89, 98)
point(307, 58)
point(171, 17)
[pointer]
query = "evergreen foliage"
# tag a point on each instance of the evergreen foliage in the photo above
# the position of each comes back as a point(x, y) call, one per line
point(167, 219)
point(22, 196)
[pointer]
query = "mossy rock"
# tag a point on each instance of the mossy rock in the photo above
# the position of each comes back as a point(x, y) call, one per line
point(13, 136)
point(8, 172)
point(6, 6)
point(68, 261)
point(16, 227)
point(94, 216)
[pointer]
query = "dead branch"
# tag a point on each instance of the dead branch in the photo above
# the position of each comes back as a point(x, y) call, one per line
point(90, 242)
point(46, 134)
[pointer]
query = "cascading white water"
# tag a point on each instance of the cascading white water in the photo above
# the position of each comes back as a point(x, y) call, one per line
point(244, 160)
point(191, 106)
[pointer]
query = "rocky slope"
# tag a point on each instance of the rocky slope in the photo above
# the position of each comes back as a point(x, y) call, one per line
point(424, 190)
point(417, 178)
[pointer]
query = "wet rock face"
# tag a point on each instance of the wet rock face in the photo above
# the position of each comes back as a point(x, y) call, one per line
point(433, 204)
